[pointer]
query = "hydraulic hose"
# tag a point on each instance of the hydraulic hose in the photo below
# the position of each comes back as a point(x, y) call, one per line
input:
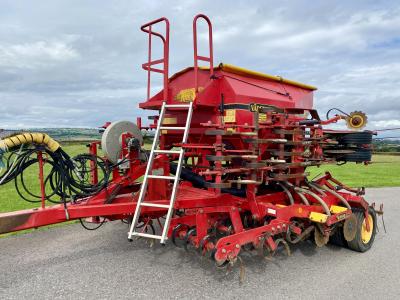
point(199, 182)
point(302, 197)
point(299, 193)
point(332, 192)
point(316, 197)
point(311, 185)
point(67, 178)
point(29, 138)
point(286, 190)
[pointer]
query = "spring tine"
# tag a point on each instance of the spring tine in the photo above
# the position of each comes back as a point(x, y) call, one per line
point(242, 272)
point(285, 244)
point(383, 222)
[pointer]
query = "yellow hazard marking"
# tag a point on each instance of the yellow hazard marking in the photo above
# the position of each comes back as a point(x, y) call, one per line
point(29, 138)
point(230, 116)
point(169, 121)
point(280, 205)
point(365, 234)
point(250, 73)
point(357, 121)
point(187, 95)
point(262, 117)
point(164, 131)
point(318, 217)
point(337, 209)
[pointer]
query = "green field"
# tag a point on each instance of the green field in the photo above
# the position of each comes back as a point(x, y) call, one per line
point(384, 172)
point(10, 200)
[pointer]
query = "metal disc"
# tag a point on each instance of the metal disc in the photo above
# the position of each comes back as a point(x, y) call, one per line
point(356, 120)
point(320, 239)
point(111, 142)
point(350, 228)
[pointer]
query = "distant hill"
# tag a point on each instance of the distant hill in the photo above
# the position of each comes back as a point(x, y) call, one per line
point(387, 145)
point(90, 134)
point(62, 134)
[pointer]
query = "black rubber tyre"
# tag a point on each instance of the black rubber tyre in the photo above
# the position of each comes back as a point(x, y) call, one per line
point(358, 244)
point(337, 238)
point(191, 232)
point(175, 240)
point(358, 138)
point(360, 155)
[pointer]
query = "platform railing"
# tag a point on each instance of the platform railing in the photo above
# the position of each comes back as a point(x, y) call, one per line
point(149, 66)
point(197, 57)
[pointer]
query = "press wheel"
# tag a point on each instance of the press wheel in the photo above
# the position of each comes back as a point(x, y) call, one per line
point(364, 238)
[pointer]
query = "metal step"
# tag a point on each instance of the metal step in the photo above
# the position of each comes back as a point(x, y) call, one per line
point(172, 128)
point(177, 105)
point(154, 205)
point(161, 177)
point(146, 235)
point(167, 151)
point(148, 175)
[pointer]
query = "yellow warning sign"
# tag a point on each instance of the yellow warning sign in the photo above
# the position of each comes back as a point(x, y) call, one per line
point(187, 95)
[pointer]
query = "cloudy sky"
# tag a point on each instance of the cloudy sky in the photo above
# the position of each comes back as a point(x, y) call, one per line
point(77, 63)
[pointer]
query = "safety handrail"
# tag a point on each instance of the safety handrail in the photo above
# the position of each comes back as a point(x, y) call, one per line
point(165, 60)
point(199, 57)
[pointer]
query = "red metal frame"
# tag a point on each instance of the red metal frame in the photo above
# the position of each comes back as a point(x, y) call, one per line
point(197, 58)
point(165, 60)
point(41, 178)
point(247, 140)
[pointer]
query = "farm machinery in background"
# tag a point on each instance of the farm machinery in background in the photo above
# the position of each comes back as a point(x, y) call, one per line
point(227, 169)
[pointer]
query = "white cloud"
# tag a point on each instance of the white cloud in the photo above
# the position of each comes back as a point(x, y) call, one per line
point(386, 124)
point(359, 31)
point(82, 63)
point(36, 54)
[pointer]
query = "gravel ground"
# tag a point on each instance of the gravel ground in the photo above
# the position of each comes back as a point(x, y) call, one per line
point(69, 262)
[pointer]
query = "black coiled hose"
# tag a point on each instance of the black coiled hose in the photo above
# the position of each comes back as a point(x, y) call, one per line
point(66, 179)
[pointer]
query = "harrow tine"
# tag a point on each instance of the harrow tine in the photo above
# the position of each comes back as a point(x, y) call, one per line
point(381, 213)
point(285, 244)
point(383, 223)
point(262, 248)
point(242, 272)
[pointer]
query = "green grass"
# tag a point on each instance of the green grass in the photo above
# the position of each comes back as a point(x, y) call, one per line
point(10, 200)
point(383, 172)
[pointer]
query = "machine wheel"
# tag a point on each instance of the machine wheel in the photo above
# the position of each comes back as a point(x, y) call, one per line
point(364, 239)
point(360, 155)
point(320, 239)
point(187, 243)
point(178, 242)
point(218, 264)
point(111, 143)
point(358, 138)
point(337, 238)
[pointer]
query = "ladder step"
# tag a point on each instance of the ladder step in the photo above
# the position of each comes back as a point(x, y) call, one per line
point(172, 128)
point(154, 205)
point(168, 151)
point(148, 173)
point(146, 235)
point(161, 177)
point(177, 105)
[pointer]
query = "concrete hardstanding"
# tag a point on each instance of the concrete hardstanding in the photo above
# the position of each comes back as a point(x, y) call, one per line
point(69, 262)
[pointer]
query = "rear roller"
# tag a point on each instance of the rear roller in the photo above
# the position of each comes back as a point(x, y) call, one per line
point(364, 237)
